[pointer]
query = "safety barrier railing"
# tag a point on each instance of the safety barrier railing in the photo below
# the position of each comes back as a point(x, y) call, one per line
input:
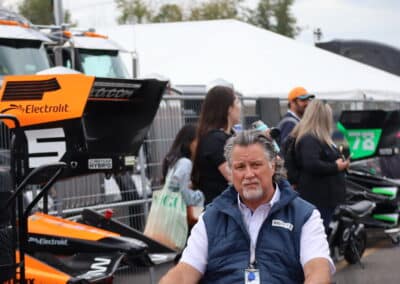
point(130, 195)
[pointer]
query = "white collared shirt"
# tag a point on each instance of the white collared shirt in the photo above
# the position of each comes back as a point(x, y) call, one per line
point(294, 114)
point(254, 220)
point(313, 241)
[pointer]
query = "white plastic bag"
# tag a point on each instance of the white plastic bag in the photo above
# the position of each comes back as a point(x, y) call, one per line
point(167, 220)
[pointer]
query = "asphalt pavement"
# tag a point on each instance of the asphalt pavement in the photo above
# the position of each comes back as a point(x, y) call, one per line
point(381, 262)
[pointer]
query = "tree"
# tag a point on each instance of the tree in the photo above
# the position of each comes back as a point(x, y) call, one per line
point(136, 11)
point(169, 13)
point(39, 12)
point(285, 22)
point(215, 9)
point(262, 15)
point(133, 11)
point(68, 19)
point(274, 15)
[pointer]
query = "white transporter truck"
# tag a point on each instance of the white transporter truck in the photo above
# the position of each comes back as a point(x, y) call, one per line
point(22, 48)
point(86, 51)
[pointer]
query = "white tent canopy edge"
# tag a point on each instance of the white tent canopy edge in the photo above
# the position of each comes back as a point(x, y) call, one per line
point(258, 62)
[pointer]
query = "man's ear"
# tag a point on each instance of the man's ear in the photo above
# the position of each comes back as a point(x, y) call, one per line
point(272, 165)
point(229, 171)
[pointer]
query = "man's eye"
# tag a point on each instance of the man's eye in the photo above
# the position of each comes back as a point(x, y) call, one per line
point(239, 167)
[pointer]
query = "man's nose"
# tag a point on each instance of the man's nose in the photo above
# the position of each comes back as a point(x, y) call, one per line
point(249, 172)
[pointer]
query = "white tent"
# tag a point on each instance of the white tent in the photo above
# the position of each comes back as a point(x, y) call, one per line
point(256, 61)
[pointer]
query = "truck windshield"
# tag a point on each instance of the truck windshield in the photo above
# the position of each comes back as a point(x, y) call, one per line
point(19, 57)
point(102, 63)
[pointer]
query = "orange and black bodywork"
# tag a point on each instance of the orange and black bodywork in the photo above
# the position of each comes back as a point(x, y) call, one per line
point(88, 125)
point(92, 124)
point(63, 251)
point(55, 235)
point(74, 269)
point(78, 251)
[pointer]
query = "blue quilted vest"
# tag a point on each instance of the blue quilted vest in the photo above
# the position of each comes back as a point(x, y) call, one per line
point(278, 243)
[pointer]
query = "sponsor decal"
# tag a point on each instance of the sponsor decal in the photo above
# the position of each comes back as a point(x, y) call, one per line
point(45, 146)
point(362, 142)
point(13, 107)
point(31, 91)
point(100, 164)
point(98, 268)
point(31, 108)
point(36, 99)
point(48, 241)
point(280, 223)
point(104, 90)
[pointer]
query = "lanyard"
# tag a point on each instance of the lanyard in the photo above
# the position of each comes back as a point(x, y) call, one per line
point(251, 275)
point(252, 255)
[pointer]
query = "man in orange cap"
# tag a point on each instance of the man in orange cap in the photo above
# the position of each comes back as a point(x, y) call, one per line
point(298, 99)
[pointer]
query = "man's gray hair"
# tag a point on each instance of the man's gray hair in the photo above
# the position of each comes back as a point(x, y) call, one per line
point(250, 137)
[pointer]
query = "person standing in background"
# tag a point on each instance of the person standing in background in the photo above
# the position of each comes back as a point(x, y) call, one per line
point(298, 100)
point(178, 163)
point(221, 110)
point(321, 180)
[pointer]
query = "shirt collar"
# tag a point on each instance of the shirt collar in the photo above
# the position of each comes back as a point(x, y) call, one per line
point(295, 115)
point(275, 198)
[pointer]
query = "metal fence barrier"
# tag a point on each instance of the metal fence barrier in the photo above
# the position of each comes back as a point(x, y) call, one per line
point(129, 194)
point(134, 189)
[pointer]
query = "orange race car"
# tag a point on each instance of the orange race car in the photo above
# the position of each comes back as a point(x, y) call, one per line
point(69, 124)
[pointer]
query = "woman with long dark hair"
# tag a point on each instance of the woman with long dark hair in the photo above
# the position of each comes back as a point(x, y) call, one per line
point(177, 164)
point(219, 112)
point(180, 148)
point(168, 220)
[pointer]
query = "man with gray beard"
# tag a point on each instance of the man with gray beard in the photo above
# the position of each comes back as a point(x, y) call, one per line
point(258, 230)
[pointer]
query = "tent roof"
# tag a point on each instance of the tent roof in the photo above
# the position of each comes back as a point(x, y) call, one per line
point(258, 62)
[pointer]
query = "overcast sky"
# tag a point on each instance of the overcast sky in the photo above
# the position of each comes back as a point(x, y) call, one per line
point(377, 20)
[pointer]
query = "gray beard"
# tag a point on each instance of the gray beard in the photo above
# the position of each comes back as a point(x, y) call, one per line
point(253, 194)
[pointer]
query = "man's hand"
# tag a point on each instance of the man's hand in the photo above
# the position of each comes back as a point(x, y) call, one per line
point(317, 271)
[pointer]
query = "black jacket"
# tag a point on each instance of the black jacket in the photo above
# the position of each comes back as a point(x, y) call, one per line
point(286, 125)
point(320, 181)
point(210, 156)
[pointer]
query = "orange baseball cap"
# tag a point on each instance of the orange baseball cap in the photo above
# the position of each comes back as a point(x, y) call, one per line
point(299, 93)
